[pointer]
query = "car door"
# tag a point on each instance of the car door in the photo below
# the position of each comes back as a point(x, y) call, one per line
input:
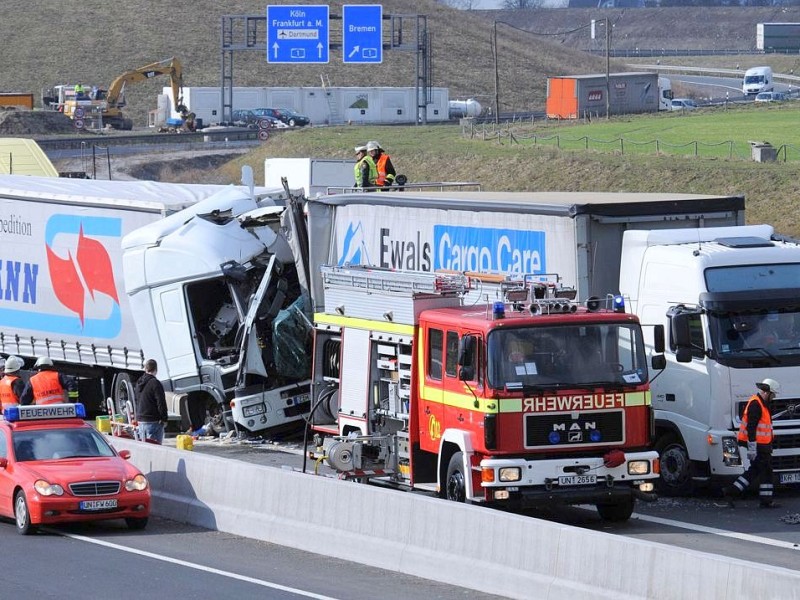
point(6, 474)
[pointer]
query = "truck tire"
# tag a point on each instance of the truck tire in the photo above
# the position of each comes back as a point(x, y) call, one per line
point(676, 467)
point(617, 512)
point(122, 392)
point(455, 485)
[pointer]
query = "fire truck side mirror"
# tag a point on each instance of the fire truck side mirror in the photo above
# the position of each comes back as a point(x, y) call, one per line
point(466, 358)
point(658, 339)
point(658, 362)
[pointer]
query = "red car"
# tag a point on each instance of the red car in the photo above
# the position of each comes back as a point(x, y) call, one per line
point(56, 468)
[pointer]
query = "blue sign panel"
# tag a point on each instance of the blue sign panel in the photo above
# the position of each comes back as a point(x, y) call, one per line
point(297, 34)
point(362, 33)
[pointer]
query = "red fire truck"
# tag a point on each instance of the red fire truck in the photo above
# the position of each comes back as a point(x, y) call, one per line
point(506, 394)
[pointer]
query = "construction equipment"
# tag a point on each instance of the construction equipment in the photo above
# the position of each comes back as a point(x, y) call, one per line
point(108, 104)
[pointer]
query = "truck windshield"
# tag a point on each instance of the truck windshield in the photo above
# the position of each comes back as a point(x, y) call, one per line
point(566, 356)
point(752, 337)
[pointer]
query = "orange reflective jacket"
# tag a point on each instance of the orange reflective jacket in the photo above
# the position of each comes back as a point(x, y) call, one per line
point(381, 166)
point(7, 395)
point(764, 429)
point(47, 388)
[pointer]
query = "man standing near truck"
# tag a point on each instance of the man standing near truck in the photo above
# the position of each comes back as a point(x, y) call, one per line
point(151, 404)
point(755, 432)
point(48, 386)
point(365, 171)
point(383, 163)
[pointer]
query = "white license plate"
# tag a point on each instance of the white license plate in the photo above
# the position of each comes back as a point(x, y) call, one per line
point(256, 409)
point(789, 477)
point(98, 504)
point(577, 479)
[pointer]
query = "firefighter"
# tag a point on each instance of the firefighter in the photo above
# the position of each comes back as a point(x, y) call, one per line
point(755, 432)
point(365, 171)
point(11, 385)
point(47, 386)
point(383, 163)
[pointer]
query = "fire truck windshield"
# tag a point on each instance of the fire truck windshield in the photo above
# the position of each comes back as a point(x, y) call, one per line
point(566, 356)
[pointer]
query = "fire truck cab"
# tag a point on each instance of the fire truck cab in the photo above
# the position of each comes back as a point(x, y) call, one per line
point(504, 394)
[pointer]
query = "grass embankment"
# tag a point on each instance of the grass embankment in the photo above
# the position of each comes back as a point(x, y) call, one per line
point(443, 153)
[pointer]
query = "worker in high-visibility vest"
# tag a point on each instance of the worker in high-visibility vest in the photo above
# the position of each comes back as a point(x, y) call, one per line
point(383, 163)
point(48, 386)
point(365, 171)
point(755, 432)
point(11, 385)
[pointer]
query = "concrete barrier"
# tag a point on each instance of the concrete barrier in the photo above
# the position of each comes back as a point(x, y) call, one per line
point(468, 546)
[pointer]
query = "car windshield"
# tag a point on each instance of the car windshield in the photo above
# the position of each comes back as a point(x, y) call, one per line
point(49, 444)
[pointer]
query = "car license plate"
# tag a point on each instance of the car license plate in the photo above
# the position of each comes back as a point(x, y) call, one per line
point(256, 409)
point(98, 504)
point(789, 477)
point(577, 479)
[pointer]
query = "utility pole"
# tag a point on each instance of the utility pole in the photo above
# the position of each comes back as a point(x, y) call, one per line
point(608, 68)
point(496, 78)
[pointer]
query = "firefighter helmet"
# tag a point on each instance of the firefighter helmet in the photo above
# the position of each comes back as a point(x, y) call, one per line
point(769, 385)
point(13, 364)
point(43, 361)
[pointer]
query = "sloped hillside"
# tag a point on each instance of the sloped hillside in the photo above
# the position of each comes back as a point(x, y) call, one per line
point(91, 42)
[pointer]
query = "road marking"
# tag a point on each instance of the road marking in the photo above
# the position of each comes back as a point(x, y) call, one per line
point(190, 565)
point(721, 532)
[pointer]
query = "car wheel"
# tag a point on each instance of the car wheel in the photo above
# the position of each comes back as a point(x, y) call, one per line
point(292, 122)
point(676, 468)
point(22, 515)
point(456, 482)
point(136, 523)
point(616, 512)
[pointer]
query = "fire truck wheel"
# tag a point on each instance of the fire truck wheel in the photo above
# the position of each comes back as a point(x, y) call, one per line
point(620, 511)
point(456, 482)
point(676, 468)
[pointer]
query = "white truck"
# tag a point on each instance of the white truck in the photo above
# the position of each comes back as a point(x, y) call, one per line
point(102, 275)
point(757, 80)
point(579, 236)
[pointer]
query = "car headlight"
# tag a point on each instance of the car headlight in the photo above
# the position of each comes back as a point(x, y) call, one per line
point(510, 474)
point(639, 467)
point(45, 488)
point(137, 484)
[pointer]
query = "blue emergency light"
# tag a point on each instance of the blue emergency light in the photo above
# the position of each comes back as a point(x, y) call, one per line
point(619, 304)
point(47, 411)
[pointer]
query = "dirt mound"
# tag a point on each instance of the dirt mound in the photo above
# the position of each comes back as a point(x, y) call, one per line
point(28, 122)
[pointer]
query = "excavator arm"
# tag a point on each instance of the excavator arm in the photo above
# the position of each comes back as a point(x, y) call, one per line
point(170, 66)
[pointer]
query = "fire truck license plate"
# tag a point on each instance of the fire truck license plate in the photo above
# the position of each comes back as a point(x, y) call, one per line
point(98, 504)
point(577, 479)
point(790, 477)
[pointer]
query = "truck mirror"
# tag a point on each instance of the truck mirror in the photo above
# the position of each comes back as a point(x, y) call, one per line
point(658, 338)
point(680, 330)
point(658, 362)
point(466, 358)
point(683, 354)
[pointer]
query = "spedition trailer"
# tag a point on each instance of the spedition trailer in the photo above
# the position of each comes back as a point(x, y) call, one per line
point(101, 276)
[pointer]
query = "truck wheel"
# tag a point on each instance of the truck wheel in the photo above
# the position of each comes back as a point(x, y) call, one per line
point(617, 512)
point(456, 482)
point(22, 515)
point(676, 468)
point(122, 393)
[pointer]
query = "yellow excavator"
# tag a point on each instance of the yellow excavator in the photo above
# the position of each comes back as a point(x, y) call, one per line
point(109, 103)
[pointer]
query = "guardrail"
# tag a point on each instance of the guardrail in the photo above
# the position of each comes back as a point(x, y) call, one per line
point(113, 140)
point(706, 70)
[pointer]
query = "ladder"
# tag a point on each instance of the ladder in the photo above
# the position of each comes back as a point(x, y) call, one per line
point(372, 279)
point(334, 116)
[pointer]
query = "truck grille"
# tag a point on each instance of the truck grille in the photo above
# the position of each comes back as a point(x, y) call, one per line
point(574, 430)
point(786, 441)
point(786, 463)
point(94, 488)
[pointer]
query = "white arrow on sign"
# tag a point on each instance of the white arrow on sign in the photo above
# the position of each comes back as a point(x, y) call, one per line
point(354, 51)
point(275, 50)
point(319, 50)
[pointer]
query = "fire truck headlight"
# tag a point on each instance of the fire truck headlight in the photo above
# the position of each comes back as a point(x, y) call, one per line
point(510, 474)
point(730, 452)
point(45, 488)
point(639, 467)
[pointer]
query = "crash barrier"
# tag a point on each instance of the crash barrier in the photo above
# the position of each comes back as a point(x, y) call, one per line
point(469, 546)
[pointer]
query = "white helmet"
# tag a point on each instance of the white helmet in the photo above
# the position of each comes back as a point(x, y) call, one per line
point(43, 361)
point(769, 385)
point(13, 364)
point(373, 146)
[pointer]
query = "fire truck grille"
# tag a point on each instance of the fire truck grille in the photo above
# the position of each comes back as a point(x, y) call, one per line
point(569, 430)
point(94, 488)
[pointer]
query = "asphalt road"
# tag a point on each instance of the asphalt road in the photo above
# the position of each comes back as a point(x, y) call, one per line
point(172, 560)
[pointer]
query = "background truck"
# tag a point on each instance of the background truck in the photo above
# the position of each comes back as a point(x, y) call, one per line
point(731, 298)
point(102, 275)
point(757, 80)
point(574, 96)
point(580, 236)
point(313, 175)
point(526, 401)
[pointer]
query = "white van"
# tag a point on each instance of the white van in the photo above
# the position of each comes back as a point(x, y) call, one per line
point(757, 80)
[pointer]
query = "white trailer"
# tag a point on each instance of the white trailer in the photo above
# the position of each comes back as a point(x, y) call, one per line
point(323, 105)
point(102, 275)
point(313, 175)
